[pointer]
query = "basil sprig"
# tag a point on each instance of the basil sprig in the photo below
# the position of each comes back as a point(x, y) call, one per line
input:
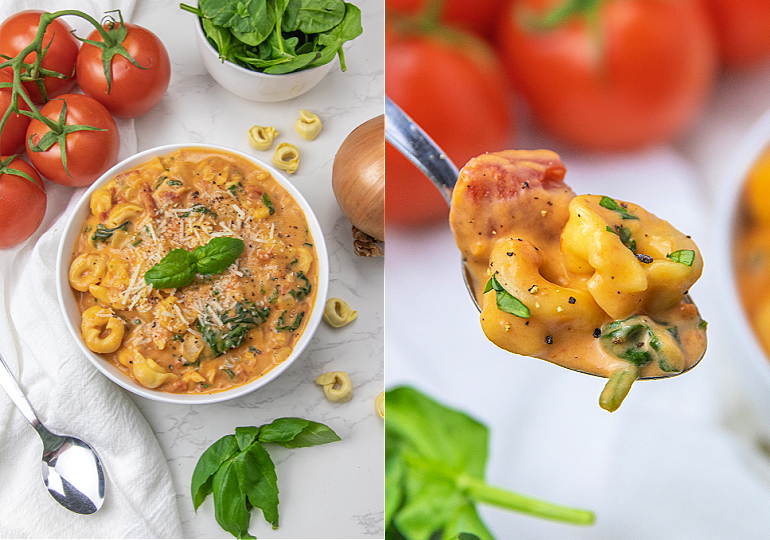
point(505, 300)
point(238, 471)
point(179, 267)
point(435, 461)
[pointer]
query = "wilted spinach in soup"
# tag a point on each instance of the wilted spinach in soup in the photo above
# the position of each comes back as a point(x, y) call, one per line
point(195, 272)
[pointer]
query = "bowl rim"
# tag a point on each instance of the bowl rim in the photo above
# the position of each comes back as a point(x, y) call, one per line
point(750, 147)
point(301, 73)
point(71, 228)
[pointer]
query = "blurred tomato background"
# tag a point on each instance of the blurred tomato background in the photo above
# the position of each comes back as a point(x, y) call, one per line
point(587, 75)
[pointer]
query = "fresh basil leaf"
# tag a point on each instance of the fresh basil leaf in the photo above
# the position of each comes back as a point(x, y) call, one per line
point(468, 536)
point(176, 269)
point(245, 436)
point(217, 255)
point(230, 508)
point(684, 256)
point(258, 481)
point(431, 500)
point(466, 524)
point(297, 433)
point(612, 204)
point(506, 301)
point(208, 464)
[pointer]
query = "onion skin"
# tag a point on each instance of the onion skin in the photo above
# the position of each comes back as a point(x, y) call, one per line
point(358, 177)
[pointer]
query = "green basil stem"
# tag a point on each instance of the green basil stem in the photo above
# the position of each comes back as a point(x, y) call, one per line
point(480, 491)
point(617, 387)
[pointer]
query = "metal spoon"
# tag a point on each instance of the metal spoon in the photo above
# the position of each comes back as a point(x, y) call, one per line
point(409, 139)
point(72, 472)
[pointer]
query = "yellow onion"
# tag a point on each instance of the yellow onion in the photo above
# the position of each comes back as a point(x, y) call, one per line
point(358, 178)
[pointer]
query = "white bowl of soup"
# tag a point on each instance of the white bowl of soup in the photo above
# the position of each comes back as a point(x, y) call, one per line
point(192, 274)
point(743, 244)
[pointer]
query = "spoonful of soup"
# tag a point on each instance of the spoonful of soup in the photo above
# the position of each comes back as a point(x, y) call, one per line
point(587, 282)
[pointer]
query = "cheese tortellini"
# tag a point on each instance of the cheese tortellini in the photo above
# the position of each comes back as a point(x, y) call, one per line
point(308, 125)
point(588, 282)
point(261, 137)
point(286, 157)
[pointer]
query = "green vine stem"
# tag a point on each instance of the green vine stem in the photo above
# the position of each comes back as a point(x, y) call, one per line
point(22, 71)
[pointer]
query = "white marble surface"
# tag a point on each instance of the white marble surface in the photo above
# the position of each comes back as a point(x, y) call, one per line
point(331, 491)
point(681, 458)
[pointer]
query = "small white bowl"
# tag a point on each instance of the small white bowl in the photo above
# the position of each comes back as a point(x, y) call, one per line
point(750, 359)
point(72, 315)
point(254, 85)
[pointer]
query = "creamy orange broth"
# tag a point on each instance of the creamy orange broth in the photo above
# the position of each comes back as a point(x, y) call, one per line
point(752, 249)
point(601, 293)
point(222, 330)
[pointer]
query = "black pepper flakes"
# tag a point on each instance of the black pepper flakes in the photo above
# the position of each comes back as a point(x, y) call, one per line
point(510, 253)
point(646, 259)
point(572, 300)
point(597, 333)
point(549, 339)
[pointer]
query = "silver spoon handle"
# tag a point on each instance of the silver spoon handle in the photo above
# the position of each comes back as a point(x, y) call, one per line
point(414, 143)
point(11, 387)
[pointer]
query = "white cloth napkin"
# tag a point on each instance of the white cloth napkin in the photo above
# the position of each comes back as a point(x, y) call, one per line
point(69, 395)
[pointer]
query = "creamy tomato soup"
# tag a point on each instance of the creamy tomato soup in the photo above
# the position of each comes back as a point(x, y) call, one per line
point(587, 282)
point(235, 319)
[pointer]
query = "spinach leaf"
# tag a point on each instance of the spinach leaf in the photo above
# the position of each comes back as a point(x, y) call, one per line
point(611, 204)
point(238, 322)
point(434, 473)
point(506, 301)
point(102, 233)
point(684, 256)
point(240, 474)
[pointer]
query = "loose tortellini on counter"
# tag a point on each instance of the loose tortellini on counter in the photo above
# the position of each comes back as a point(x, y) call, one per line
point(308, 125)
point(338, 314)
point(337, 386)
point(588, 282)
point(286, 157)
point(262, 137)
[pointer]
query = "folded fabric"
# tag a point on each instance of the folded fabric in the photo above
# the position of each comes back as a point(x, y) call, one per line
point(69, 395)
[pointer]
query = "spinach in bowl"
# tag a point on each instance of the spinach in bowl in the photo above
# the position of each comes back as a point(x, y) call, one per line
point(278, 36)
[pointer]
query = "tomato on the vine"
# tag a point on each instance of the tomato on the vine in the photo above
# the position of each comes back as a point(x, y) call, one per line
point(89, 153)
point(15, 128)
point(610, 74)
point(743, 31)
point(22, 202)
point(133, 90)
point(453, 86)
point(19, 30)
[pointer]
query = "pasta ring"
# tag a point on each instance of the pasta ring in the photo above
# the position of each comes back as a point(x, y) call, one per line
point(261, 137)
point(286, 157)
point(339, 379)
point(379, 404)
point(337, 313)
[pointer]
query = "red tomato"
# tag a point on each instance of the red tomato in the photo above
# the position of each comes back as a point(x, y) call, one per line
point(743, 31)
point(641, 75)
point(22, 204)
point(89, 153)
point(454, 88)
point(15, 128)
point(478, 17)
point(134, 91)
point(18, 31)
